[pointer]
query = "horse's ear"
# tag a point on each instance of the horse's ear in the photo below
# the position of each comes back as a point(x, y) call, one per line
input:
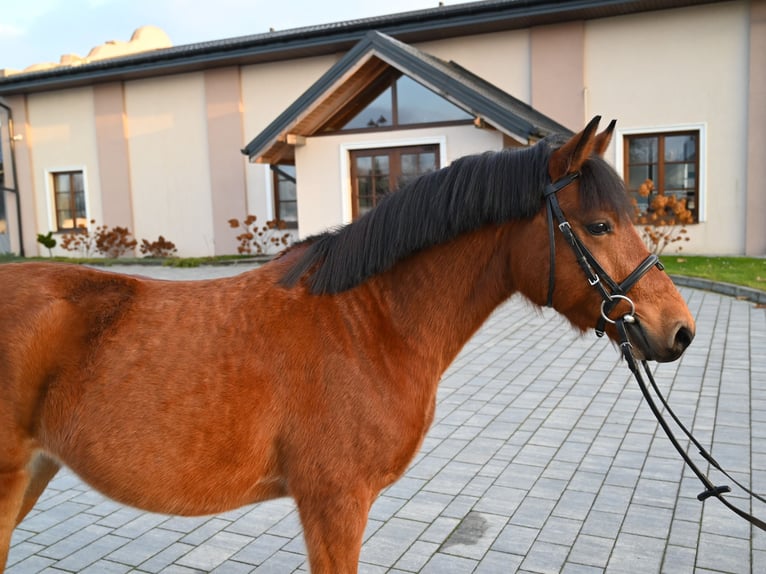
point(570, 156)
point(603, 139)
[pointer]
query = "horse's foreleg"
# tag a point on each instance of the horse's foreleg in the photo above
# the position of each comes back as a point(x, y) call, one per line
point(333, 526)
point(13, 484)
point(20, 487)
point(41, 470)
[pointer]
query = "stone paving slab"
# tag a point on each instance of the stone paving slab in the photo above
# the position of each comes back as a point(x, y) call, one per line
point(542, 458)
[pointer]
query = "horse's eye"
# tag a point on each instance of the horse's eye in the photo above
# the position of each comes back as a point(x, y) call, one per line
point(599, 228)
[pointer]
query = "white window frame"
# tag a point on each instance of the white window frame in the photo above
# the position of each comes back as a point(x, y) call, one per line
point(702, 151)
point(51, 195)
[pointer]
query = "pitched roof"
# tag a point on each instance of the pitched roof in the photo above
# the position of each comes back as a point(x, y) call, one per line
point(372, 58)
point(414, 26)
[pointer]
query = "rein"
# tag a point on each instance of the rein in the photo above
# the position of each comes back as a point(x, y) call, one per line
point(611, 294)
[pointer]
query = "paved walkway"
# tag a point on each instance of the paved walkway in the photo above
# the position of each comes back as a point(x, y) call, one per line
point(542, 458)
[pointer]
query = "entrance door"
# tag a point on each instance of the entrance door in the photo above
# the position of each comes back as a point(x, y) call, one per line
point(377, 172)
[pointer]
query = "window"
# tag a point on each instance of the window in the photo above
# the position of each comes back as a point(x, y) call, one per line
point(404, 102)
point(285, 195)
point(377, 172)
point(670, 160)
point(69, 194)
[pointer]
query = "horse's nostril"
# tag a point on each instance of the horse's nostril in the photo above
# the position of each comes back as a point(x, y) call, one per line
point(684, 337)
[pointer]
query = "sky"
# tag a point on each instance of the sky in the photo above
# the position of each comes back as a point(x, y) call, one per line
point(36, 31)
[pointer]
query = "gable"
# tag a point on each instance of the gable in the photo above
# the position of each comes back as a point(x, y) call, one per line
point(350, 85)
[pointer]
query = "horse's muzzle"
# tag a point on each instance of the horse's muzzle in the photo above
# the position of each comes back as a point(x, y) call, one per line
point(660, 349)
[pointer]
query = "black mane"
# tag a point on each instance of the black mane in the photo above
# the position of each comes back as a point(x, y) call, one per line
point(476, 190)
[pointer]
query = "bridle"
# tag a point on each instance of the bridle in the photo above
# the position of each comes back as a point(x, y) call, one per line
point(612, 293)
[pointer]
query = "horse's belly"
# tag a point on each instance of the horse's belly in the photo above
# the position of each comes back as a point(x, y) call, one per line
point(167, 466)
point(192, 488)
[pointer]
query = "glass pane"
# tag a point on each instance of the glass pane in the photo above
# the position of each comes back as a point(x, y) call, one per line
point(62, 199)
point(409, 163)
point(365, 204)
point(65, 220)
point(79, 201)
point(377, 114)
point(417, 104)
point(363, 166)
point(679, 176)
point(61, 181)
point(287, 190)
point(363, 186)
point(381, 185)
point(381, 165)
point(642, 150)
point(680, 148)
point(427, 162)
point(638, 174)
point(78, 181)
point(288, 211)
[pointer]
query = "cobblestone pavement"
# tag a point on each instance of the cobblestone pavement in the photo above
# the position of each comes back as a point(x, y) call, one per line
point(542, 458)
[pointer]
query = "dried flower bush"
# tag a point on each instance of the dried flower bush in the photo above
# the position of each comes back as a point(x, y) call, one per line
point(161, 248)
point(267, 239)
point(664, 220)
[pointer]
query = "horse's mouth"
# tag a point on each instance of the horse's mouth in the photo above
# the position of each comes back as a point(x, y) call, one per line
point(649, 348)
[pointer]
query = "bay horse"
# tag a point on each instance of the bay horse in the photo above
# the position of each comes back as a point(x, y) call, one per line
point(314, 376)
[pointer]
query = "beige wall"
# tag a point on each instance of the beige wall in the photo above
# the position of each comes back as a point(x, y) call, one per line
point(682, 78)
point(227, 165)
point(267, 89)
point(114, 162)
point(323, 172)
point(755, 230)
point(557, 55)
point(169, 163)
point(501, 58)
point(62, 136)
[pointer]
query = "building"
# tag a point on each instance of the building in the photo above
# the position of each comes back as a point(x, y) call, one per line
point(331, 117)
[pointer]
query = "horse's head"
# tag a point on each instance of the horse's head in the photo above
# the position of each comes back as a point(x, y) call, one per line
point(591, 197)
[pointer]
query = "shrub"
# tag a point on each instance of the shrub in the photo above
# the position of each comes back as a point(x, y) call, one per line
point(268, 239)
point(47, 241)
point(113, 242)
point(160, 248)
point(664, 220)
point(79, 240)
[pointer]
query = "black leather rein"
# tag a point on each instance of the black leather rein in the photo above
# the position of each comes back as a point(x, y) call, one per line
point(611, 294)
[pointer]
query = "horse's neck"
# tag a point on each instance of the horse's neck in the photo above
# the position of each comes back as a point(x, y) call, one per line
point(441, 296)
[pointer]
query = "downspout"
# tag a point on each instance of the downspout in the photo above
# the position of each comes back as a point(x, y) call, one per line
point(14, 189)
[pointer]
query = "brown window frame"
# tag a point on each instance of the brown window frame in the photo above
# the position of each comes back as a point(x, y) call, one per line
point(278, 201)
point(662, 163)
point(394, 161)
point(76, 213)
